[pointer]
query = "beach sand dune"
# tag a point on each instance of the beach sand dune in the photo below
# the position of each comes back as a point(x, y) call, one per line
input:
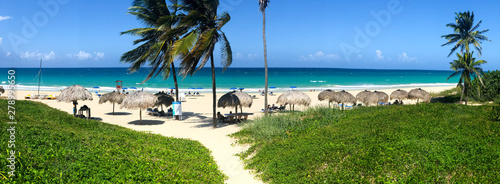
point(196, 124)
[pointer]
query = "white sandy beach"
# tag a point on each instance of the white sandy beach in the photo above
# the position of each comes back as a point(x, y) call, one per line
point(196, 124)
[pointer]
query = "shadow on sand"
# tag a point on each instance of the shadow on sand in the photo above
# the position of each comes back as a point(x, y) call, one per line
point(118, 113)
point(146, 122)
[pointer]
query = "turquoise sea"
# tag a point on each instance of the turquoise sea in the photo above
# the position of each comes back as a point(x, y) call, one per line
point(252, 79)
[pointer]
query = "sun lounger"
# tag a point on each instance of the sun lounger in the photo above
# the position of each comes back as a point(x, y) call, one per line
point(50, 97)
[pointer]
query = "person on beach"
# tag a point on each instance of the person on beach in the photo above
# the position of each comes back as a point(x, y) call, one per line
point(74, 107)
point(220, 116)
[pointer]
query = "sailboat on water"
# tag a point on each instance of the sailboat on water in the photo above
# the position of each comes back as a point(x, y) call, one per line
point(39, 75)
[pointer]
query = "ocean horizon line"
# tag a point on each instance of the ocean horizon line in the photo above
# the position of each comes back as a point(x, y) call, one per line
point(378, 69)
point(249, 90)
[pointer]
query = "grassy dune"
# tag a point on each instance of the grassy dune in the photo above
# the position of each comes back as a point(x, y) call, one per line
point(435, 143)
point(54, 147)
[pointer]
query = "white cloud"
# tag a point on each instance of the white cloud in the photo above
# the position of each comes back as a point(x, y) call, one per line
point(320, 56)
point(240, 56)
point(82, 55)
point(360, 56)
point(404, 57)
point(99, 55)
point(8, 54)
point(37, 55)
point(379, 55)
point(1, 40)
point(4, 17)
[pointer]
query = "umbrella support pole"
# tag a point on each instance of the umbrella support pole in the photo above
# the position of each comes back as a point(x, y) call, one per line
point(140, 115)
point(113, 108)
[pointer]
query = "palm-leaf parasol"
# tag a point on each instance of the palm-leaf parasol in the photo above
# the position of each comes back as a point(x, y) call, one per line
point(327, 95)
point(344, 97)
point(362, 95)
point(113, 97)
point(294, 97)
point(235, 99)
point(376, 97)
point(73, 94)
point(164, 99)
point(418, 94)
point(399, 95)
point(139, 99)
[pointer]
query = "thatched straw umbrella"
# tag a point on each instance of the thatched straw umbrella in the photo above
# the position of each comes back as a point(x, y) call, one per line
point(361, 95)
point(294, 98)
point(376, 97)
point(2, 90)
point(73, 94)
point(235, 99)
point(418, 94)
point(327, 95)
point(344, 97)
point(399, 95)
point(113, 97)
point(139, 99)
point(164, 99)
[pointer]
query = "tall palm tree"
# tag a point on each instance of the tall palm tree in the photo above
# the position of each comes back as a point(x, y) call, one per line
point(197, 46)
point(262, 8)
point(466, 66)
point(465, 33)
point(156, 39)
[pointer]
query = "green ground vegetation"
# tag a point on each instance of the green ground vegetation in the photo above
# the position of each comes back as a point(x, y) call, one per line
point(430, 143)
point(54, 147)
point(491, 89)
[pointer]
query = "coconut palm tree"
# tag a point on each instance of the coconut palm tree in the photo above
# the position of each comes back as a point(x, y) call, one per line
point(156, 39)
point(466, 66)
point(262, 8)
point(465, 33)
point(197, 45)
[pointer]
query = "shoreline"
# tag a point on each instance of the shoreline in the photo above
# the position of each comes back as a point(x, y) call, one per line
point(196, 123)
point(105, 89)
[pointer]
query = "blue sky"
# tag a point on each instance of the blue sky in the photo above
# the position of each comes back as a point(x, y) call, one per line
point(382, 34)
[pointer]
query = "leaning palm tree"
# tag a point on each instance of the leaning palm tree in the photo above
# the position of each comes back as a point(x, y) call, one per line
point(262, 8)
point(465, 33)
point(156, 39)
point(197, 45)
point(466, 66)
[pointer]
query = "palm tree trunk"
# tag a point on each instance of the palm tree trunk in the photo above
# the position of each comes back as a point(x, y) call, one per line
point(462, 95)
point(214, 96)
point(265, 60)
point(465, 92)
point(176, 87)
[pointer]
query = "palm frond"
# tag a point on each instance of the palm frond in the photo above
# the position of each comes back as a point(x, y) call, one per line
point(222, 19)
point(227, 53)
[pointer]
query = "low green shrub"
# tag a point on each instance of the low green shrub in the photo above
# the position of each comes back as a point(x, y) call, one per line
point(430, 143)
point(54, 147)
point(491, 88)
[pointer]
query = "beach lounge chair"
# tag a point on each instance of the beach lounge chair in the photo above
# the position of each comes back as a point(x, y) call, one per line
point(149, 111)
point(50, 97)
point(27, 96)
point(155, 112)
